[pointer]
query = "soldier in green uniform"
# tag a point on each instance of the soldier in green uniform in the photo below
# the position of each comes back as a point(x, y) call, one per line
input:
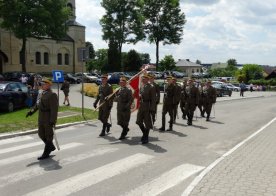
point(105, 90)
point(200, 99)
point(47, 105)
point(177, 97)
point(191, 96)
point(210, 96)
point(147, 106)
point(124, 100)
point(168, 104)
point(183, 100)
point(157, 94)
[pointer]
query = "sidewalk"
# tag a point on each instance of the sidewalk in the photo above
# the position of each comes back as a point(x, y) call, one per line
point(248, 169)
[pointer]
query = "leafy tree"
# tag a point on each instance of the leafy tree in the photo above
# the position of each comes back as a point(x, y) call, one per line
point(249, 72)
point(168, 63)
point(133, 61)
point(232, 65)
point(164, 22)
point(34, 19)
point(122, 22)
point(113, 57)
point(145, 57)
point(100, 60)
point(198, 61)
point(90, 47)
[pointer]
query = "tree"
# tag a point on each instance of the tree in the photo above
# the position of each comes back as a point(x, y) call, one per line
point(232, 64)
point(122, 22)
point(100, 60)
point(145, 57)
point(198, 61)
point(250, 72)
point(133, 61)
point(168, 63)
point(164, 22)
point(113, 57)
point(90, 47)
point(34, 19)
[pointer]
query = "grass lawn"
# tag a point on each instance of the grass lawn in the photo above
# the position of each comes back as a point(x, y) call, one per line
point(16, 121)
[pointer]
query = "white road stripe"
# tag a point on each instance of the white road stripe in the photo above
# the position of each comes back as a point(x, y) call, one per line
point(33, 154)
point(36, 170)
point(166, 180)
point(15, 139)
point(6, 150)
point(84, 180)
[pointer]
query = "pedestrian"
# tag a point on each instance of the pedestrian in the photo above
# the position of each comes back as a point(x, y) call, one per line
point(47, 105)
point(105, 90)
point(177, 97)
point(147, 104)
point(191, 96)
point(209, 98)
point(168, 104)
point(183, 100)
point(157, 96)
point(24, 79)
point(124, 100)
point(243, 88)
point(200, 99)
point(65, 87)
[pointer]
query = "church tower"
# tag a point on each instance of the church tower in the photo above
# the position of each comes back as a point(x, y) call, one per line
point(72, 5)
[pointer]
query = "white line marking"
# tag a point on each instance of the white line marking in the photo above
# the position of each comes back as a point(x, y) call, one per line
point(20, 147)
point(15, 139)
point(33, 154)
point(84, 180)
point(166, 180)
point(36, 170)
point(195, 182)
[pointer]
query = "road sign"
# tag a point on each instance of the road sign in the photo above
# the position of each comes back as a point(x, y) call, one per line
point(83, 54)
point(58, 76)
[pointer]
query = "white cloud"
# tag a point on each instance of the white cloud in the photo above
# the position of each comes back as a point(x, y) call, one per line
point(216, 30)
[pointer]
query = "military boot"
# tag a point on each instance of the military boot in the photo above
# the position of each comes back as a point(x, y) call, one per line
point(143, 131)
point(124, 133)
point(108, 125)
point(170, 128)
point(145, 140)
point(163, 124)
point(47, 150)
point(103, 130)
point(208, 117)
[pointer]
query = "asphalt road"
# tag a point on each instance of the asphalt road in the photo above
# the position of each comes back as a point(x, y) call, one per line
point(92, 165)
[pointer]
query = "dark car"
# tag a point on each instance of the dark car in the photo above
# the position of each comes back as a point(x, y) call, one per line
point(222, 90)
point(15, 76)
point(72, 79)
point(1, 77)
point(15, 95)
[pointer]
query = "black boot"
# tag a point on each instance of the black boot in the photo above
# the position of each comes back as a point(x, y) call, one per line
point(145, 140)
point(208, 118)
point(124, 133)
point(170, 128)
point(143, 131)
point(47, 150)
point(103, 130)
point(108, 125)
point(163, 124)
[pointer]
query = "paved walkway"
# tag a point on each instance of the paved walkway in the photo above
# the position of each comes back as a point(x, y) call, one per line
point(248, 169)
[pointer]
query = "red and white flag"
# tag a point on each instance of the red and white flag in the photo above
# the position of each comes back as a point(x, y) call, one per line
point(134, 85)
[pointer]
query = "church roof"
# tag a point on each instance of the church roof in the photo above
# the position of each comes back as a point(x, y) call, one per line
point(74, 23)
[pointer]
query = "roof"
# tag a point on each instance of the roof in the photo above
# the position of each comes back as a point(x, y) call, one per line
point(271, 75)
point(186, 63)
point(74, 23)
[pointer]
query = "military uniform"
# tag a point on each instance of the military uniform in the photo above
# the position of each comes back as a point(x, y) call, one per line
point(200, 100)
point(177, 98)
point(47, 106)
point(191, 96)
point(124, 100)
point(104, 110)
point(183, 100)
point(147, 105)
point(168, 105)
point(209, 98)
point(157, 98)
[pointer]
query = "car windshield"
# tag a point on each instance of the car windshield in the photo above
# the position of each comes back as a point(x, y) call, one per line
point(2, 87)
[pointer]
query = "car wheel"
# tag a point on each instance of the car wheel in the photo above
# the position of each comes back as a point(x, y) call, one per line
point(10, 107)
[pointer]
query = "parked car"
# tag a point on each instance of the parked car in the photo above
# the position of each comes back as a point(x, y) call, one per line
point(222, 90)
point(1, 77)
point(114, 78)
point(72, 79)
point(87, 77)
point(233, 87)
point(15, 76)
point(14, 95)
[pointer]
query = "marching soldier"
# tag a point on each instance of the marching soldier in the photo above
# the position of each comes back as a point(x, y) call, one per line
point(147, 106)
point(183, 100)
point(177, 97)
point(124, 100)
point(191, 96)
point(210, 97)
point(157, 94)
point(105, 90)
point(168, 104)
point(201, 99)
point(47, 105)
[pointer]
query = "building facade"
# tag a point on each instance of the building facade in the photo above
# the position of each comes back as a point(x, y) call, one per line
point(43, 56)
point(188, 67)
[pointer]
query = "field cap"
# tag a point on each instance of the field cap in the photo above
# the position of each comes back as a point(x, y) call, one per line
point(146, 76)
point(123, 79)
point(104, 76)
point(46, 81)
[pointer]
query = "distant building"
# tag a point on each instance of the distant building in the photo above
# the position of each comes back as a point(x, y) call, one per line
point(188, 67)
point(47, 54)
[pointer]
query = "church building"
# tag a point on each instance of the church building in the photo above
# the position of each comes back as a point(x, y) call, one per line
point(45, 55)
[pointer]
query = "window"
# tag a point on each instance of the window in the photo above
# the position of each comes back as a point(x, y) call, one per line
point(38, 58)
point(66, 59)
point(193, 71)
point(46, 58)
point(59, 59)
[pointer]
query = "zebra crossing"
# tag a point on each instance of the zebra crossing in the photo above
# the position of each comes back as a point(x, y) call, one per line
point(22, 174)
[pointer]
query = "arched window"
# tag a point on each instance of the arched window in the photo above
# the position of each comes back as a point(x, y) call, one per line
point(46, 58)
point(66, 59)
point(59, 59)
point(38, 58)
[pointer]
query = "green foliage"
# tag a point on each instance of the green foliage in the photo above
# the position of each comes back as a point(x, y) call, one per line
point(114, 57)
point(221, 72)
point(100, 60)
point(133, 61)
point(249, 72)
point(145, 57)
point(232, 65)
point(37, 19)
point(164, 22)
point(198, 61)
point(167, 63)
point(90, 47)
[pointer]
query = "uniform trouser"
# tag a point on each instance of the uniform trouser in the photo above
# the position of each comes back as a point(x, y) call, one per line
point(207, 108)
point(167, 109)
point(200, 107)
point(45, 132)
point(153, 115)
point(144, 118)
point(182, 107)
point(190, 111)
point(175, 107)
point(123, 118)
point(104, 114)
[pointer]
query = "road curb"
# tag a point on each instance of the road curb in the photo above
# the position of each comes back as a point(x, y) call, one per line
point(34, 131)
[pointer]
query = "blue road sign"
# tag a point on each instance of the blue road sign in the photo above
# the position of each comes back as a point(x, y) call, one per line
point(58, 76)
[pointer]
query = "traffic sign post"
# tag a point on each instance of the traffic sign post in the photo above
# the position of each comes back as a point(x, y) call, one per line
point(58, 77)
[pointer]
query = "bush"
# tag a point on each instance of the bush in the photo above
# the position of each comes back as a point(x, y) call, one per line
point(90, 89)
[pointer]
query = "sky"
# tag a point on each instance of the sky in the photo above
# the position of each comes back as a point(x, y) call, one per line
point(215, 31)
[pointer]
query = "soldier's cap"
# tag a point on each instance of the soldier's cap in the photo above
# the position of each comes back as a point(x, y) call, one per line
point(104, 76)
point(46, 81)
point(169, 77)
point(123, 79)
point(151, 75)
point(146, 76)
point(174, 78)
